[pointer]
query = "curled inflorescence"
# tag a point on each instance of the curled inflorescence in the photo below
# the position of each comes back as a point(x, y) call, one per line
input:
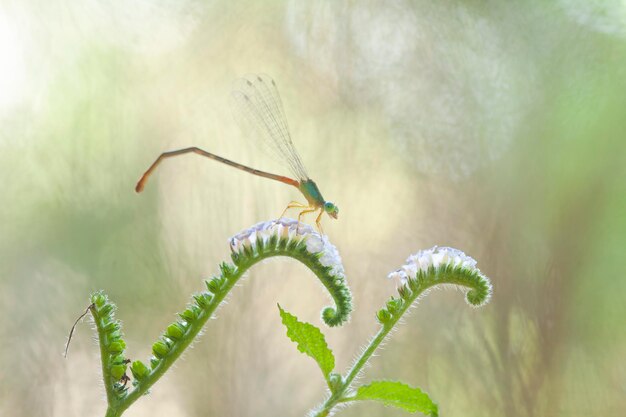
point(433, 257)
point(288, 237)
point(292, 231)
point(441, 266)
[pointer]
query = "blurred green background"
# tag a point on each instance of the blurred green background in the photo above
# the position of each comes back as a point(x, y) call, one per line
point(495, 127)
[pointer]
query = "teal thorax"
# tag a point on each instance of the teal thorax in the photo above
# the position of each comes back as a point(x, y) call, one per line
point(312, 193)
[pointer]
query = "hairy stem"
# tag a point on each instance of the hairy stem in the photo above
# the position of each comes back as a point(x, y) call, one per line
point(104, 354)
point(178, 348)
point(338, 396)
point(119, 402)
point(479, 290)
point(113, 412)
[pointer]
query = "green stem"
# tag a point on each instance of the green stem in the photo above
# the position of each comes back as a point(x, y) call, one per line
point(178, 348)
point(338, 396)
point(104, 354)
point(118, 404)
point(479, 291)
point(111, 412)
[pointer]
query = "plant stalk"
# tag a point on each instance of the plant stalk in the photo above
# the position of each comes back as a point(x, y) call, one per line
point(338, 396)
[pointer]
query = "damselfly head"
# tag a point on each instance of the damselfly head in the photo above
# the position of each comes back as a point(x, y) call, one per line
point(331, 209)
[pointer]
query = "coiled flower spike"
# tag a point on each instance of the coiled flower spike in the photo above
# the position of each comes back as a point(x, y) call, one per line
point(291, 230)
point(438, 266)
point(447, 266)
point(290, 238)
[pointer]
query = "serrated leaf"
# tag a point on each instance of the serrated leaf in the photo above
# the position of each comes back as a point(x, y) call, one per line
point(310, 341)
point(397, 394)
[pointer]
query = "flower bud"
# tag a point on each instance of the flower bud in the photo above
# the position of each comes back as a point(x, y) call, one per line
point(226, 269)
point(117, 371)
point(98, 299)
point(214, 285)
point(118, 359)
point(175, 331)
point(116, 347)
point(394, 305)
point(105, 310)
point(383, 316)
point(191, 314)
point(139, 370)
point(335, 380)
point(405, 292)
point(203, 300)
point(160, 349)
point(112, 326)
point(115, 335)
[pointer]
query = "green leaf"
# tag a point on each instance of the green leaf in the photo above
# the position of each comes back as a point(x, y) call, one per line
point(310, 341)
point(397, 394)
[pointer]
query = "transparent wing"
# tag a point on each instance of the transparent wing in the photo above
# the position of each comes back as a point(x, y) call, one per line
point(260, 109)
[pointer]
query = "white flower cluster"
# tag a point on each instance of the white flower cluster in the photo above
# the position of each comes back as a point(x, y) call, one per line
point(435, 257)
point(290, 229)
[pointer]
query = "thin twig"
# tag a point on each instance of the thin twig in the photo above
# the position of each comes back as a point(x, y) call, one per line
point(69, 338)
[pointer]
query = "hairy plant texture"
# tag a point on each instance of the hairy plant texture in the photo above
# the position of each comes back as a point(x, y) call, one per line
point(286, 237)
point(282, 237)
point(424, 270)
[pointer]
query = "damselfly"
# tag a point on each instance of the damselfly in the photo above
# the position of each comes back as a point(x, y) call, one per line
point(258, 101)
